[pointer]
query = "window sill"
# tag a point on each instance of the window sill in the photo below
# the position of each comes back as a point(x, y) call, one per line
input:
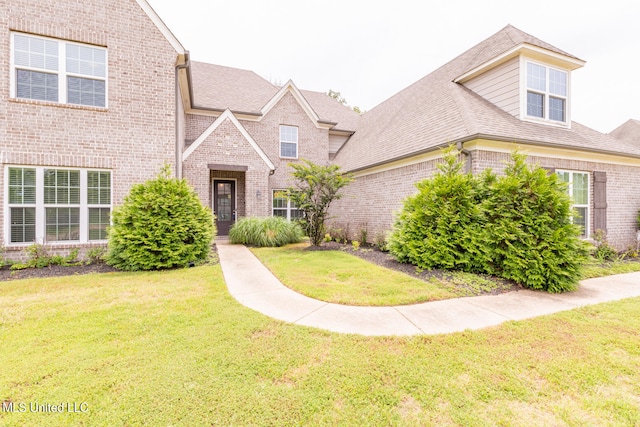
point(532, 119)
point(58, 105)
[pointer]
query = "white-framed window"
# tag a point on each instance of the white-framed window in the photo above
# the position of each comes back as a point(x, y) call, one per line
point(578, 189)
point(53, 70)
point(546, 92)
point(52, 204)
point(284, 207)
point(289, 142)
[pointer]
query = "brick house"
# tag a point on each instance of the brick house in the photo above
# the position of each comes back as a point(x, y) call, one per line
point(98, 96)
point(511, 91)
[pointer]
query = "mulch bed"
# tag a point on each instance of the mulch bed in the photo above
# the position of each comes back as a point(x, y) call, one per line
point(385, 259)
point(370, 254)
point(54, 271)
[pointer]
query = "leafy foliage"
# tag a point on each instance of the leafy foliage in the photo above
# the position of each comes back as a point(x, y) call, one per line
point(315, 188)
point(529, 232)
point(39, 257)
point(603, 251)
point(517, 226)
point(265, 232)
point(440, 226)
point(161, 224)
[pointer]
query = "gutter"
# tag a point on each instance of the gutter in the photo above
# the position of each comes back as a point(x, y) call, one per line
point(468, 163)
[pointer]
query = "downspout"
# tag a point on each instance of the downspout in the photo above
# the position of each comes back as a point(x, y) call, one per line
point(177, 114)
point(468, 166)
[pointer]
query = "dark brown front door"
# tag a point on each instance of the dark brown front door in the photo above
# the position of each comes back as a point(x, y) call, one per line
point(224, 205)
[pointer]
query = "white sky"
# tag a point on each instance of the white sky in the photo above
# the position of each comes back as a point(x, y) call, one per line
point(370, 49)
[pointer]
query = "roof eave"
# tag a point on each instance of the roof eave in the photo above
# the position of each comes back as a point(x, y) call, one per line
point(523, 49)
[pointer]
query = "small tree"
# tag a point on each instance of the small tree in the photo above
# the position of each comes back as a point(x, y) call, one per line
point(315, 188)
point(161, 224)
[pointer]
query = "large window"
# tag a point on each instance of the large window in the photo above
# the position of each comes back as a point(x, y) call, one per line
point(57, 205)
point(58, 71)
point(578, 188)
point(289, 142)
point(546, 92)
point(284, 207)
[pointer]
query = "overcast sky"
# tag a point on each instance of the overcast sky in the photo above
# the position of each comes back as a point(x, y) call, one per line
point(370, 49)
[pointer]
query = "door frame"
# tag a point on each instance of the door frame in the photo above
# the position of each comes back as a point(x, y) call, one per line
point(235, 196)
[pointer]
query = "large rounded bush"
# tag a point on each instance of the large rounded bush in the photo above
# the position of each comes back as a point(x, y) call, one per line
point(161, 224)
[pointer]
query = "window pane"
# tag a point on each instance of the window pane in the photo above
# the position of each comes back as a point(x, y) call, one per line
point(61, 186)
point(556, 109)
point(35, 52)
point(23, 225)
point(288, 149)
point(35, 85)
point(288, 134)
point(557, 82)
point(62, 224)
point(580, 188)
point(87, 60)
point(580, 218)
point(535, 104)
point(98, 223)
point(280, 212)
point(22, 185)
point(85, 92)
point(536, 77)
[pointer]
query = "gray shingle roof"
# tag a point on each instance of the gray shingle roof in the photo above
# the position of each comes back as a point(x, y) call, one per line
point(629, 131)
point(218, 87)
point(435, 111)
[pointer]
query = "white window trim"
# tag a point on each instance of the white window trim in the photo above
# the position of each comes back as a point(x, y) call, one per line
point(40, 207)
point(61, 72)
point(288, 208)
point(587, 226)
point(524, 89)
point(288, 142)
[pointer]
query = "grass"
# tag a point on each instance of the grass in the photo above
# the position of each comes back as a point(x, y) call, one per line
point(173, 348)
point(338, 277)
point(597, 269)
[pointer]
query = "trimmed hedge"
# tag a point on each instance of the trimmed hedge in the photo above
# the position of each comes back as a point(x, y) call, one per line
point(160, 225)
point(273, 231)
point(517, 226)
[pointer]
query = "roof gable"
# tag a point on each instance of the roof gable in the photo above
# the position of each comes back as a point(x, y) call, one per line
point(162, 27)
point(628, 131)
point(228, 115)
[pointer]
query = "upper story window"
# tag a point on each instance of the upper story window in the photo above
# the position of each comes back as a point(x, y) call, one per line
point(289, 142)
point(54, 70)
point(546, 92)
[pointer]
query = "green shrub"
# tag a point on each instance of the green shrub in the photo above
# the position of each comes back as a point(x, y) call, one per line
point(39, 257)
point(440, 226)
point(273, 231)
point(161, 224)
point(529, 233)
point(603, 251)
point(95, 255)
point(516, 226)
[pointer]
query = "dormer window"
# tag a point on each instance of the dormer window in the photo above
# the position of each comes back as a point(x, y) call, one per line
point(546, 93)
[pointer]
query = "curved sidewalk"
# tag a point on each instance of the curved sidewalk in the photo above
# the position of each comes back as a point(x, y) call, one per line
point(254, 286)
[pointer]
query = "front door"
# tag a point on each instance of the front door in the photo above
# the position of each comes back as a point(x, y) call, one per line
point(224, 205)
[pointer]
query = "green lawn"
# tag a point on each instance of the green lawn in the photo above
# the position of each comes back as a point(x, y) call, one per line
point(339, 277)
point(173, 348)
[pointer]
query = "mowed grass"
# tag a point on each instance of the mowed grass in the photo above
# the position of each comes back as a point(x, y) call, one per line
point(338, 277)
point(173, 348)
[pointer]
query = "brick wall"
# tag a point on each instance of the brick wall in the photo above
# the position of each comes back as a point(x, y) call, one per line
point(227, 146)
point(135, 135)
point(373, 199)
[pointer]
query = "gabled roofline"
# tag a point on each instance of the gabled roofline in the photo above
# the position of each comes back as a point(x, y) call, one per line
point(526, 49)
point(227, 114)
point(166, 32)
point(297, 94)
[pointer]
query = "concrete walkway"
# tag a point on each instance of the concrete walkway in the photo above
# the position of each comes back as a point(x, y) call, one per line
point(253, 285)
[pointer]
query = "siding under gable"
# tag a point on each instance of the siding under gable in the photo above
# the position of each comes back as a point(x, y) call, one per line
point(500, 86)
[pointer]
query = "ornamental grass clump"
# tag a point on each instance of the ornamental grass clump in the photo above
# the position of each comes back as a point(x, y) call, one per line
point(160, 225)
point(272, 231)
